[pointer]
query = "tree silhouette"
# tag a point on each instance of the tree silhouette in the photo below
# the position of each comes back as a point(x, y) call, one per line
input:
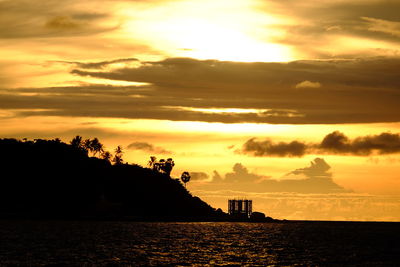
point(93, 146)
point(106, 155)
point(51, 179)
point(159, 166)
point(87, 145)
point(152, 163)
point(96, 146)
point(168, 165)
point(118, 156)
point(163, 166)
point(77, 142)
point(185, 177)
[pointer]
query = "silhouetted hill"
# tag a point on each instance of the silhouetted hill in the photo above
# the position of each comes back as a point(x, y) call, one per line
point(48, 178)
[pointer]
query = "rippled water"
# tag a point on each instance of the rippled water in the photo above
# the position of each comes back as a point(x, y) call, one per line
point(54, 243)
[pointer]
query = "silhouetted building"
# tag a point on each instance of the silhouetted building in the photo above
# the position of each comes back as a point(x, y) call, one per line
point(240, 207)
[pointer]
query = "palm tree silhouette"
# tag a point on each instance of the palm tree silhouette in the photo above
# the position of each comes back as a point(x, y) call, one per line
point(87, 145)
point(118, 156)
point(96, 146)
point(77, 142)
point(106, 155)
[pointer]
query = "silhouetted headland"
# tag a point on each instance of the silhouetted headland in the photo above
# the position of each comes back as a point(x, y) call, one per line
point(49, 179)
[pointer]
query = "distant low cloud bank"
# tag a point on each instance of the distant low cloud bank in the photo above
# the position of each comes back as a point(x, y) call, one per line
point(333, 143)
point(315, 178)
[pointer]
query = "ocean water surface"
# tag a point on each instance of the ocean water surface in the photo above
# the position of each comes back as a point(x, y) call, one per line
point(92, 243)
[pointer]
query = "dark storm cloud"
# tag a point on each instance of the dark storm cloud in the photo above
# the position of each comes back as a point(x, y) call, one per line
point(350, 88)
point(333, 143)
point(351, 91)
point(147, 147)
point(312, 179)
point(175, 73)
point(45, 18)
point(121, 103)
point(384, 143)
point(281, 149)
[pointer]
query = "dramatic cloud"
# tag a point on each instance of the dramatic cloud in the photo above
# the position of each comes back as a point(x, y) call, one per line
point(225, 74)
point(355, 90)
point(185, 89)
point(312, 179)
point(195, 90)
point(333, 143)
point(148, 148)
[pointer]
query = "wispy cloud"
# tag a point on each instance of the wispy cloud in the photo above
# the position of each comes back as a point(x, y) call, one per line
point(28, 19)
point(384, 26)
point(100, 64)
point(148, 148)
point(316, 29)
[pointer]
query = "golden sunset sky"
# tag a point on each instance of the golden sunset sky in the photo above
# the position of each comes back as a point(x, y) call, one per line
point(294, 104)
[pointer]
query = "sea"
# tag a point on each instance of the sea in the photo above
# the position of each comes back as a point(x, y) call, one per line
point(111, 243)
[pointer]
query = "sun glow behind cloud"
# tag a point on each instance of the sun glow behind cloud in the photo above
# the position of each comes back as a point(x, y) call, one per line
point(223, 30)
point(128, 71)
point(221, 110)
point(236, 111)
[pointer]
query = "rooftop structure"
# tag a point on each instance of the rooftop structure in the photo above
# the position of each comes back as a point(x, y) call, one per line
point(240, 207)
